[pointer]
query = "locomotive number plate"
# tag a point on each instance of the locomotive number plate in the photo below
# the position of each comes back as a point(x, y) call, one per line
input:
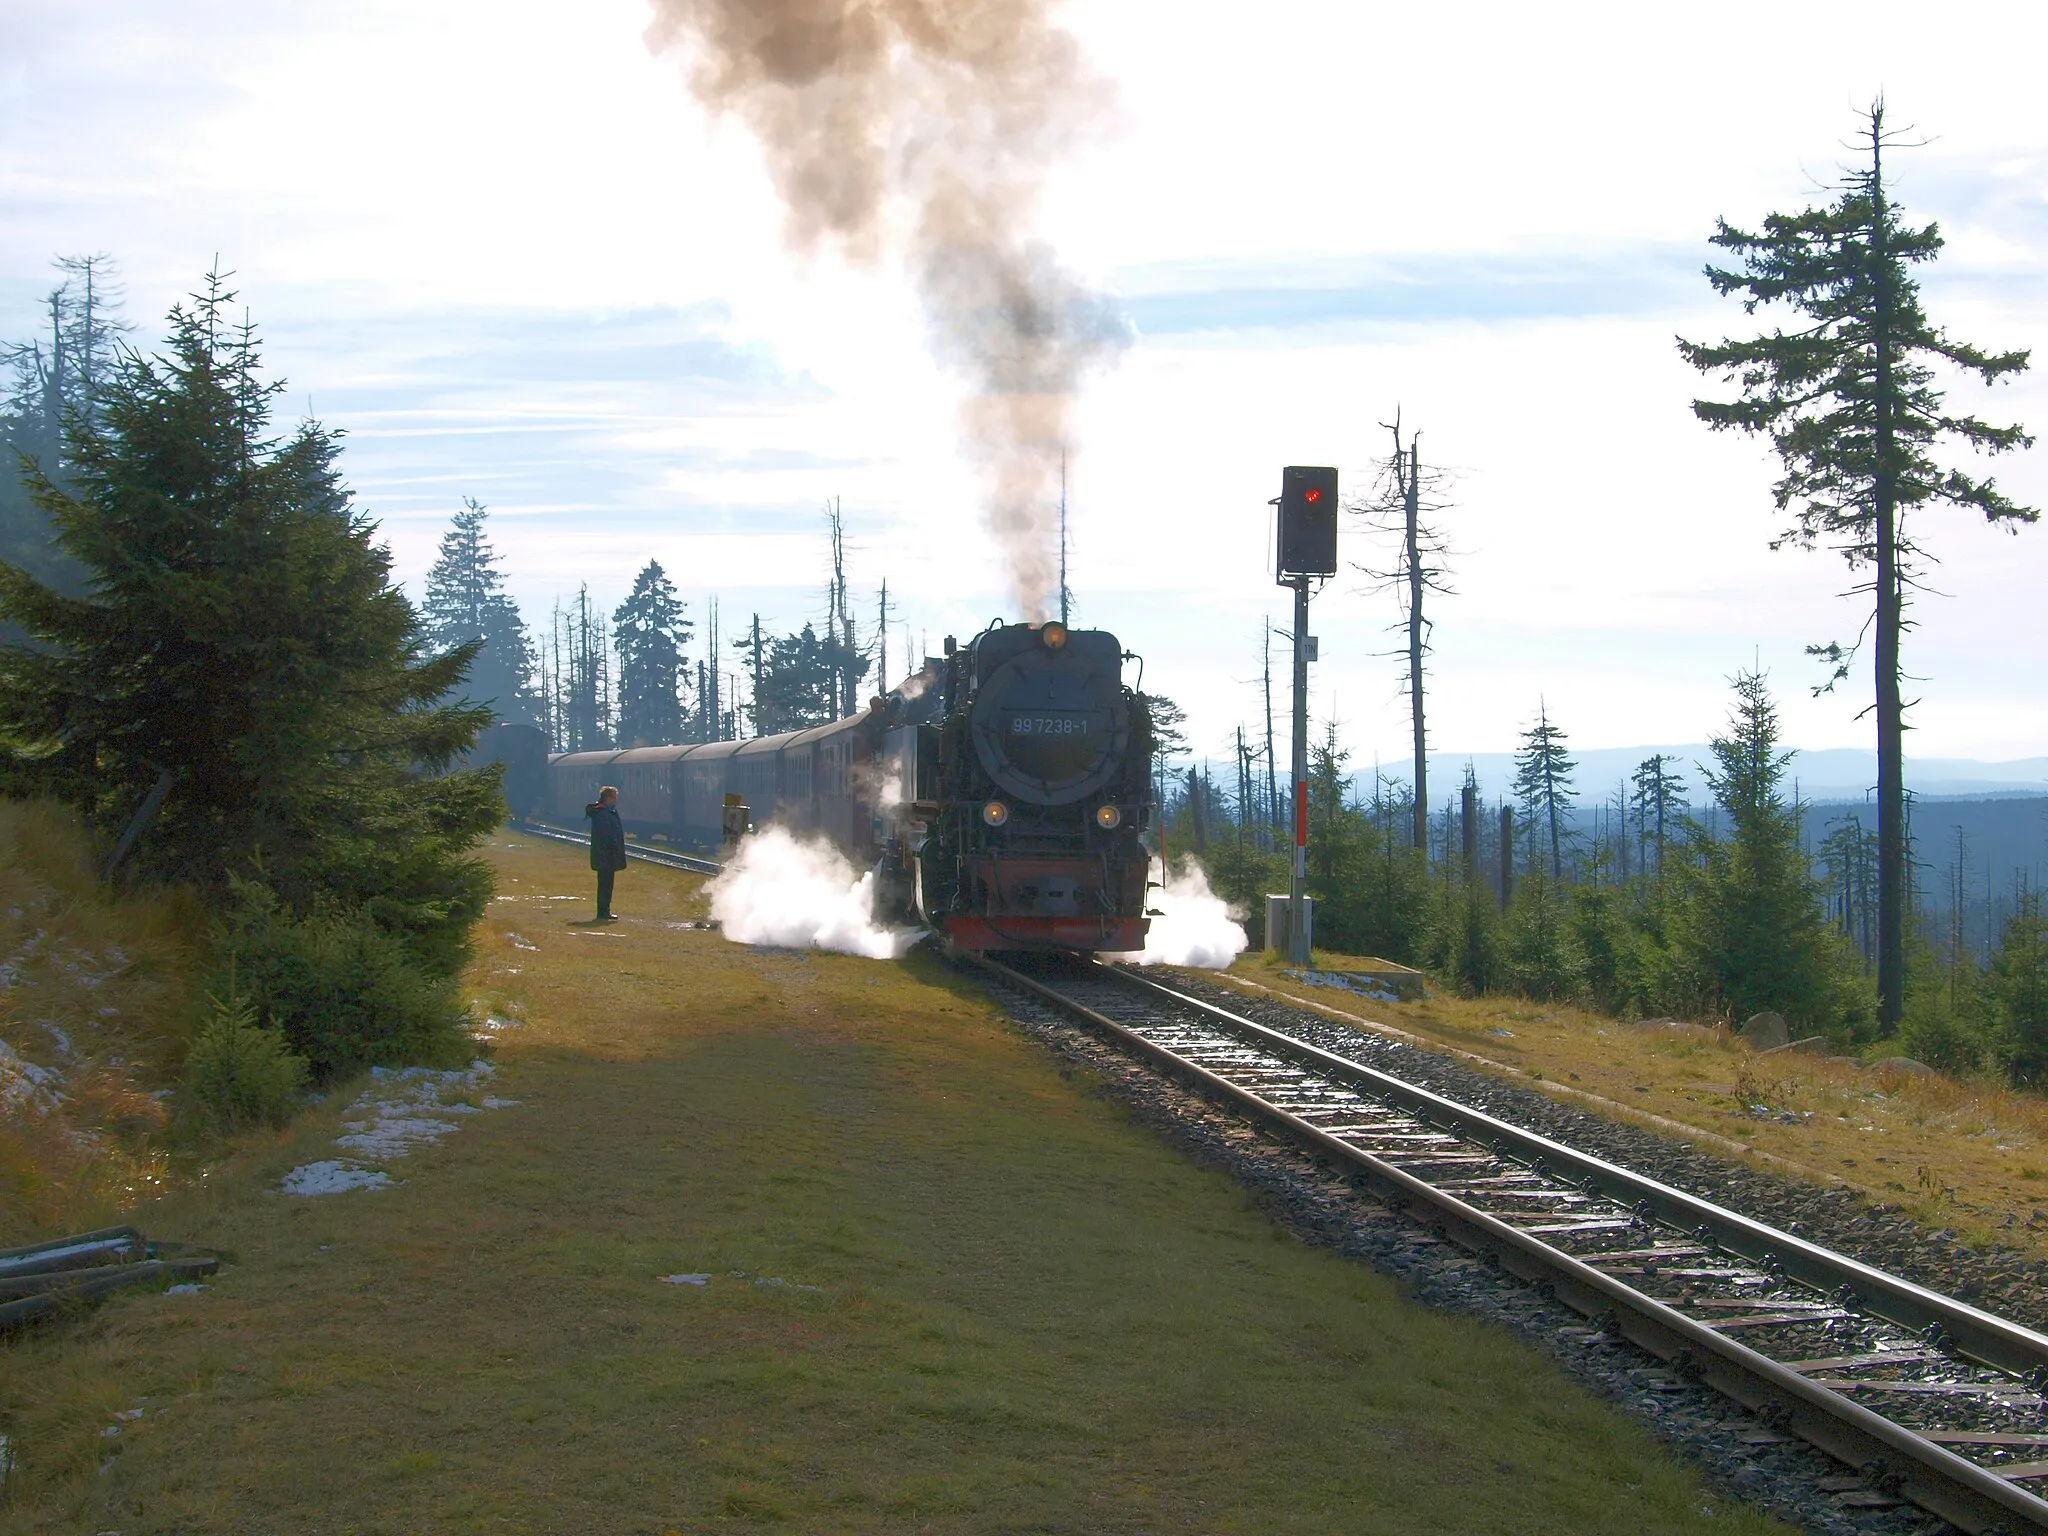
point(1049, 725)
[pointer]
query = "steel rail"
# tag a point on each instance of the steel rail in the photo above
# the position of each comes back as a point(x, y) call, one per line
point(666, 858)
point(1975, 1498)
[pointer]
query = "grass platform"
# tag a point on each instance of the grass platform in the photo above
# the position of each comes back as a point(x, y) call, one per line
point(1006, 1308)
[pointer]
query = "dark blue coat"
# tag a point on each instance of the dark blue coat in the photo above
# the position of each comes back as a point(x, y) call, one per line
point(607, 837)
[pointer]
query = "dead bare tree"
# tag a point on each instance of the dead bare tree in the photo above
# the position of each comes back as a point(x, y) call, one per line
point(1394, 509)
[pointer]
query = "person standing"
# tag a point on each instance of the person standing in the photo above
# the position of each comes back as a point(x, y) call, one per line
point(607, 847)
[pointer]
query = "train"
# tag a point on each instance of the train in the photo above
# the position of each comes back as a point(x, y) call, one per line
point(1000, 795)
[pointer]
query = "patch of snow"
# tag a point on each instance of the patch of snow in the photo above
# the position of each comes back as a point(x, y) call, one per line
point(519, 943)
point(22, 1081)
point(491, 1025)
point(1363, 986)
point(187, 1289)
point(685, 1279)
point(333, 1178)
point(404, 1107)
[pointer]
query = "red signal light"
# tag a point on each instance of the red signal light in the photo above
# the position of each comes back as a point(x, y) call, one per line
point(1312, 495)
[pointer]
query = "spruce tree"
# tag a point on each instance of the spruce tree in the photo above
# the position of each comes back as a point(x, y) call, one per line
point(2018, 987)
point(55, 376)
point(1543, 784)
point(242, 642)
point(1752, 924)
point(1849, 403)
point(798, 684)
point(1657, 802)
point(651, 636)
point(466, 604)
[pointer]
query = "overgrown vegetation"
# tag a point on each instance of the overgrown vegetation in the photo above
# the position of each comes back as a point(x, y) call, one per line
point(96, 1000)
point(236, 698)
point(1668, 914)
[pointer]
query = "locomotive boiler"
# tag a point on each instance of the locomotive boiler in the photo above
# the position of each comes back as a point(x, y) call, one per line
point(1000, 795)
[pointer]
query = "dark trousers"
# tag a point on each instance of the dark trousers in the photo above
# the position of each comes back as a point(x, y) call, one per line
point(604, 891)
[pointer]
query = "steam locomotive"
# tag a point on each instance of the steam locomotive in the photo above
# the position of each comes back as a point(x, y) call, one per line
point(1000, 795)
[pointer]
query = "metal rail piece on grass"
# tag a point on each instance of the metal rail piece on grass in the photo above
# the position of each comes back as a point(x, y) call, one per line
point(1816, 1408)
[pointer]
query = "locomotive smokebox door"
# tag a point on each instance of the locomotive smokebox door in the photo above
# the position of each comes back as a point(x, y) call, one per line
point(1308, 521)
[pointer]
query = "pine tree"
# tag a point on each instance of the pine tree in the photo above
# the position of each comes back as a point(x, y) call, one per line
point(466, 604)
point(55, 377)
point(798, 684)
point(1657, 803)
point(1849, 403)
point(1543, 785)
point(242, 644)
point(651, 635)
point(1752, 922)
point(2017, 984)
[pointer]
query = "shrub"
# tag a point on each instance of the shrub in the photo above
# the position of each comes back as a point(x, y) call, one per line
point(1540, 959)
point(1462, 942)
point(344, 991)
point(2017, 985)
point(240, 1072)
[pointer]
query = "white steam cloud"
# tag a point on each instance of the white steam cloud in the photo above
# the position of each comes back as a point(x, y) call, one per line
point(1197, 928)
point(801, 895)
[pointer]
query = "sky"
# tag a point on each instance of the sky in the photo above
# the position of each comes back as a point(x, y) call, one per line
point(502, 248)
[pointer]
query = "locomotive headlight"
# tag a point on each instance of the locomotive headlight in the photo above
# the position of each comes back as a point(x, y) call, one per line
point(1053, 633)
point(995, 813)
point(1108, 817)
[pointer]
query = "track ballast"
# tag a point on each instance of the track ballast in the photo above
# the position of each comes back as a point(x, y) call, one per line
point(1931, 1400)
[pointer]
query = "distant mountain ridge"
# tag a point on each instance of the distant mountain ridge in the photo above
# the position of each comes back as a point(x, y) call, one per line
point(1832, 773)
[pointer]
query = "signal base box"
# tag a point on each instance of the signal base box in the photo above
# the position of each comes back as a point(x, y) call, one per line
point(1277, 931)
point(1308, 521)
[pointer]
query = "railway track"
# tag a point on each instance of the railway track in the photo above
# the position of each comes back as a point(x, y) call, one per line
point(1930, 1400)
point(662, 856)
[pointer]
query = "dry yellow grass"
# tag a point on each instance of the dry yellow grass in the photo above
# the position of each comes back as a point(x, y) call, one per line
point(1030, 1314)
point(1969, 1157)
point(96, 996)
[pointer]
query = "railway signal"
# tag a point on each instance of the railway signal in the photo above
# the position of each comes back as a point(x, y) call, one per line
point(1308, 521)
point(1307, 546)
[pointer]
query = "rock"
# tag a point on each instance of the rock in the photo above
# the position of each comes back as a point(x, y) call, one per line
point(1654, 1024)
point(1846, 1061)
point(1812, 1045)
point(1766, 1031)
point(1904, 1064)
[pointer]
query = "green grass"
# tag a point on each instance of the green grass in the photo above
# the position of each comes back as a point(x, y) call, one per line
point(1030, 1314)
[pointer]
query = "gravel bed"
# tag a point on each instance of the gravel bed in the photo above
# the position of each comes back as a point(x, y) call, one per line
point(2001, 1280)
point(1328, 1208)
